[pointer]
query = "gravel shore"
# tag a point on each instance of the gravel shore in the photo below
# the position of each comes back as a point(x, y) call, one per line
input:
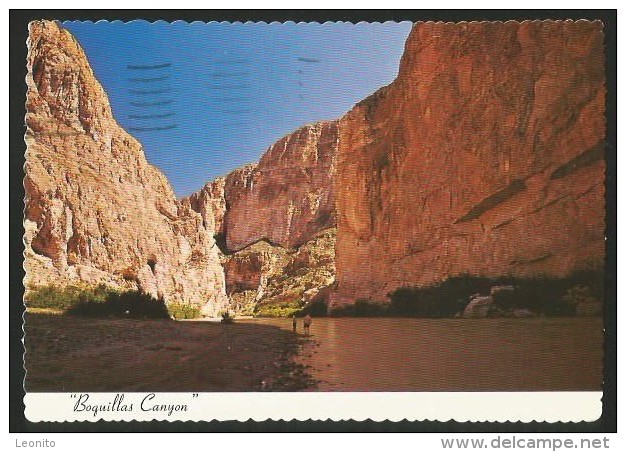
point(71, 354)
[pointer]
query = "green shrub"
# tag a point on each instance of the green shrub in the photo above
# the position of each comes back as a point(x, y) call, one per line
point(227, 317)
point(362, 308)
point(63, 298)
point(541, 295)
point(183, 311)
point(442, 300)
point(367, 308)
point(271, 310)
point(316, 308)
point(131, 304)
point(507, 299)
point(554, 296)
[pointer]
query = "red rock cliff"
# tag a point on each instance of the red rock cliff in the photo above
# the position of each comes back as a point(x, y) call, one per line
point(276, 221)
point(96, 211)
point(483, 157)
point(289, 196)
point(210, 203)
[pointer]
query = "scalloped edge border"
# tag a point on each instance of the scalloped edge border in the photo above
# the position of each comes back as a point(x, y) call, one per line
point(314, 22)
point(566, 409)
point(551, 407)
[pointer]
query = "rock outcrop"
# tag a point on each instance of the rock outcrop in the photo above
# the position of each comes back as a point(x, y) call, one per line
point(272, 280)
point(95, 210)
point(210, 203)
point(289, 196)
point(484, 157)
point(275, 221)
point(479, 307)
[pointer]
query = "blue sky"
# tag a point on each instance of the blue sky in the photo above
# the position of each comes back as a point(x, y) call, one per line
point(204, 99)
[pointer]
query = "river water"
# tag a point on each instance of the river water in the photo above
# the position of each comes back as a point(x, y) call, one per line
point(405, 354)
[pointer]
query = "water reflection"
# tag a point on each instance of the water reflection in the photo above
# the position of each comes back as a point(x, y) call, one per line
point(395, 354)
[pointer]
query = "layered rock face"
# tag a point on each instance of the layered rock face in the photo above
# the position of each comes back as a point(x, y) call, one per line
point(272, 280)
point(289, 196)
point(484, 157)
point(273, 216)
point(96, 211)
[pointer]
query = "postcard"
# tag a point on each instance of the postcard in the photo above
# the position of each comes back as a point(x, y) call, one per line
point(386, 221)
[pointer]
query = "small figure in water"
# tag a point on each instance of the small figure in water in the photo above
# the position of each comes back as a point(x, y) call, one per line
point(294, 323)
point(307, 323)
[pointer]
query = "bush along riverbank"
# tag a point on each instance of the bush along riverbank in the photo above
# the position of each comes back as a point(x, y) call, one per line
point(104, 301)
point(580, 294)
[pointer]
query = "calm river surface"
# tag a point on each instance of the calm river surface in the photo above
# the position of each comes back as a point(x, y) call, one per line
point(403, 354)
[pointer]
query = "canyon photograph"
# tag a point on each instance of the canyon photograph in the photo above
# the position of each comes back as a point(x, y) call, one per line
point(371, 207)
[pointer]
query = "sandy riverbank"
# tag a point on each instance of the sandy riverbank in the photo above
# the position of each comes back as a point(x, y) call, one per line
point(70, 354)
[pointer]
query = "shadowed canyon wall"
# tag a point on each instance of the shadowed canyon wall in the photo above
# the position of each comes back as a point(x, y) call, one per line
point(484, 157)
point(95, 210)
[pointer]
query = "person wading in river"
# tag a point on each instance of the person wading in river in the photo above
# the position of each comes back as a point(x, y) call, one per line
point(294, 323)
point(307, 323)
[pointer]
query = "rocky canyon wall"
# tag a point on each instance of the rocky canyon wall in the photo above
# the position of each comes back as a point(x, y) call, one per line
point(95, 210)
point(275, 218)
point(271, 280)
point(484, 157)
point(289, 196)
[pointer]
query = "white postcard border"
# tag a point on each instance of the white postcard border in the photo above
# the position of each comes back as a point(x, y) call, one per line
point(359, 406)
